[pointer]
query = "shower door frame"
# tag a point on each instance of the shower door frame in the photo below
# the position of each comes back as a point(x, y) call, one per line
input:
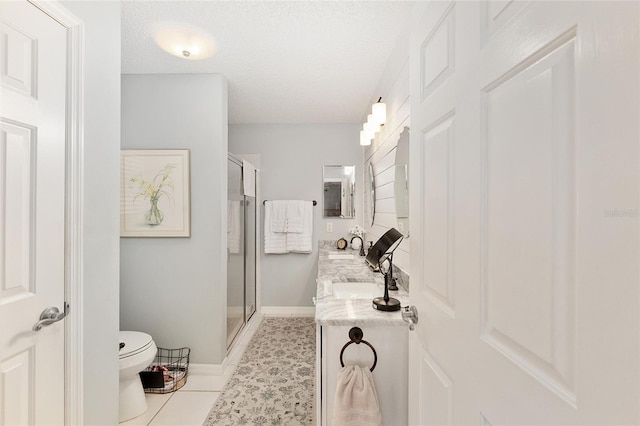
point(246, 316)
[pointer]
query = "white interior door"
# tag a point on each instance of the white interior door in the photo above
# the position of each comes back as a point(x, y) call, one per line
point(32, 211)
point(524, 248)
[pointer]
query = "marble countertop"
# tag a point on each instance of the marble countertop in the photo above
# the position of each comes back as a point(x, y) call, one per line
point(357, 312)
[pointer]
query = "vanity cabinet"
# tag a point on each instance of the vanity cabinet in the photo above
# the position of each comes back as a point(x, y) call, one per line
point(390, 373)
point(385, 331)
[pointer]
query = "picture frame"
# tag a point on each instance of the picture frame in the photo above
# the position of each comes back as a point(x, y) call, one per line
point(155, 193)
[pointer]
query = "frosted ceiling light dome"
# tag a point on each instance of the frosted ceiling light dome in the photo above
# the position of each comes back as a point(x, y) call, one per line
point(185, 42)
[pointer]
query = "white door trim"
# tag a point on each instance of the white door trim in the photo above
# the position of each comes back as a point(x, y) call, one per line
point(74, 214)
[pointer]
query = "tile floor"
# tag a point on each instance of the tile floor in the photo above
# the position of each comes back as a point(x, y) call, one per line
point(190, 405)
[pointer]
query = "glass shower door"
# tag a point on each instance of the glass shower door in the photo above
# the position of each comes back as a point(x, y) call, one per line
point(250, 256)
point(235, 251)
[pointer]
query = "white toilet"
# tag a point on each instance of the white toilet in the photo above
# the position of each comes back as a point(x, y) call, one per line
point(137, 354)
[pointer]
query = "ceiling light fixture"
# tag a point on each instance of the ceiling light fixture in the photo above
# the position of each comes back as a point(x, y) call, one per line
point(374, 122)
point(185, 42)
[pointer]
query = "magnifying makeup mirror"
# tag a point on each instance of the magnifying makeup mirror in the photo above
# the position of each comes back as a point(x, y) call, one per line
point(379, 254)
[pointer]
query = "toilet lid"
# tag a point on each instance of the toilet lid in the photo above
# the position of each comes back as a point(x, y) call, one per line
point(134, 342)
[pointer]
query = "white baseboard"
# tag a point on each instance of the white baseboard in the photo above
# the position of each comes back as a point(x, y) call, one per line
point(288, 311)
point(206, 369)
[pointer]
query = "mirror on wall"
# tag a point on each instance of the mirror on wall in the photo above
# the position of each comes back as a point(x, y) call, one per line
point(339, 186)
point(401, 182)
point(371, 193)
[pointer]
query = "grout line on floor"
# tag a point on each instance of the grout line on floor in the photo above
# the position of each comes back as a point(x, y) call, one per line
point(160, 409)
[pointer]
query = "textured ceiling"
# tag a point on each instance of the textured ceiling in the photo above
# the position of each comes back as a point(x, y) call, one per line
point(286, 62)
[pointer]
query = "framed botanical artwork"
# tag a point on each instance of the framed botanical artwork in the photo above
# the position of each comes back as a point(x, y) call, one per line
point(154, 193)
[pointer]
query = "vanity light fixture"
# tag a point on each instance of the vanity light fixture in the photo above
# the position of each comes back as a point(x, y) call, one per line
point(374, 122)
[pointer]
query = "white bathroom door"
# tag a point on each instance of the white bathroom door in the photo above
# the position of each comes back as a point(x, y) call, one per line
point(32, 213)
point(525, 186)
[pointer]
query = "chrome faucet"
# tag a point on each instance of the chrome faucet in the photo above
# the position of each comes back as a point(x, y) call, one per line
point(361, 244)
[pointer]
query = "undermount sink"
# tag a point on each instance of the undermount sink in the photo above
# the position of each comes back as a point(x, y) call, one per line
point(338, 256)
point(356, 290)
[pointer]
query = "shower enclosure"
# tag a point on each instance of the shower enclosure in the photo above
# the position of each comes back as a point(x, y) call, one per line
point(241, 251)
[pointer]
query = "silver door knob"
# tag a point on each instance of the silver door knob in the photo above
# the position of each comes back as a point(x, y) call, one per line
point(410, 315)
point(51, 315)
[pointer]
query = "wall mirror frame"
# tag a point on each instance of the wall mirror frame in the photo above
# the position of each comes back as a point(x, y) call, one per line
point(401, 182)
point(339, 189)
point(371, 193)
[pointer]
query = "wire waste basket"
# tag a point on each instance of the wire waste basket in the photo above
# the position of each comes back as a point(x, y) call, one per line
point(168, 372)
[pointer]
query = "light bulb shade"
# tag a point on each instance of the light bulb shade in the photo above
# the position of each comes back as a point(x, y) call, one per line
point(373, 126)
point(379, 113)
point(365, 140)
point(369, 129)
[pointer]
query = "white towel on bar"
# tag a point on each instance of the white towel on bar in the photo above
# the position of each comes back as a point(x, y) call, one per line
point(295, 216)
point(356, 399)
point(302, 242)
point(274, 242)
point(278, 219)
point(233, 226)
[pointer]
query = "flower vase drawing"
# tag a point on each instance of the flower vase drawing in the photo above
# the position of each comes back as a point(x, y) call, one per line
point(154, 194)
point(160, 185)
point(154, 216)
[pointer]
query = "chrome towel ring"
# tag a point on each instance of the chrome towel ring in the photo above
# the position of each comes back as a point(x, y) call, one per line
point(356, 334)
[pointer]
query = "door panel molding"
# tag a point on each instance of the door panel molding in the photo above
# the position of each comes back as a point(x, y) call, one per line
point(437, 53)
point(20, 61)
point(17, 402)
point(528, 234)
point(496, 14)
point(438, 157)
point(17, 187)
point(437, 390)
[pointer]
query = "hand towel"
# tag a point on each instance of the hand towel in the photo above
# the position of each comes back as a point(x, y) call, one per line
point(274, 242)
point(295, 216)
point(356, 400)
point(233, 226)
point(302, 242)
point(278, 214)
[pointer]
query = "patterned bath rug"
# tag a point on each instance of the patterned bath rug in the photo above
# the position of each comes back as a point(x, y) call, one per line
point(274, 382)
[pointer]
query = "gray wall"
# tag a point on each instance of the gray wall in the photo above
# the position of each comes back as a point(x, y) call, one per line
point(101, 220)
point(291, 163)
point(175, 288)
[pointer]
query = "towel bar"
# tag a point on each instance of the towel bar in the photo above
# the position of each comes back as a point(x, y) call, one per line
point(356, 334)
point(315, 203)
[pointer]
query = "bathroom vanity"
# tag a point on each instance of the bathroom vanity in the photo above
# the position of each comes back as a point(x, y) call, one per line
point(345, 289)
